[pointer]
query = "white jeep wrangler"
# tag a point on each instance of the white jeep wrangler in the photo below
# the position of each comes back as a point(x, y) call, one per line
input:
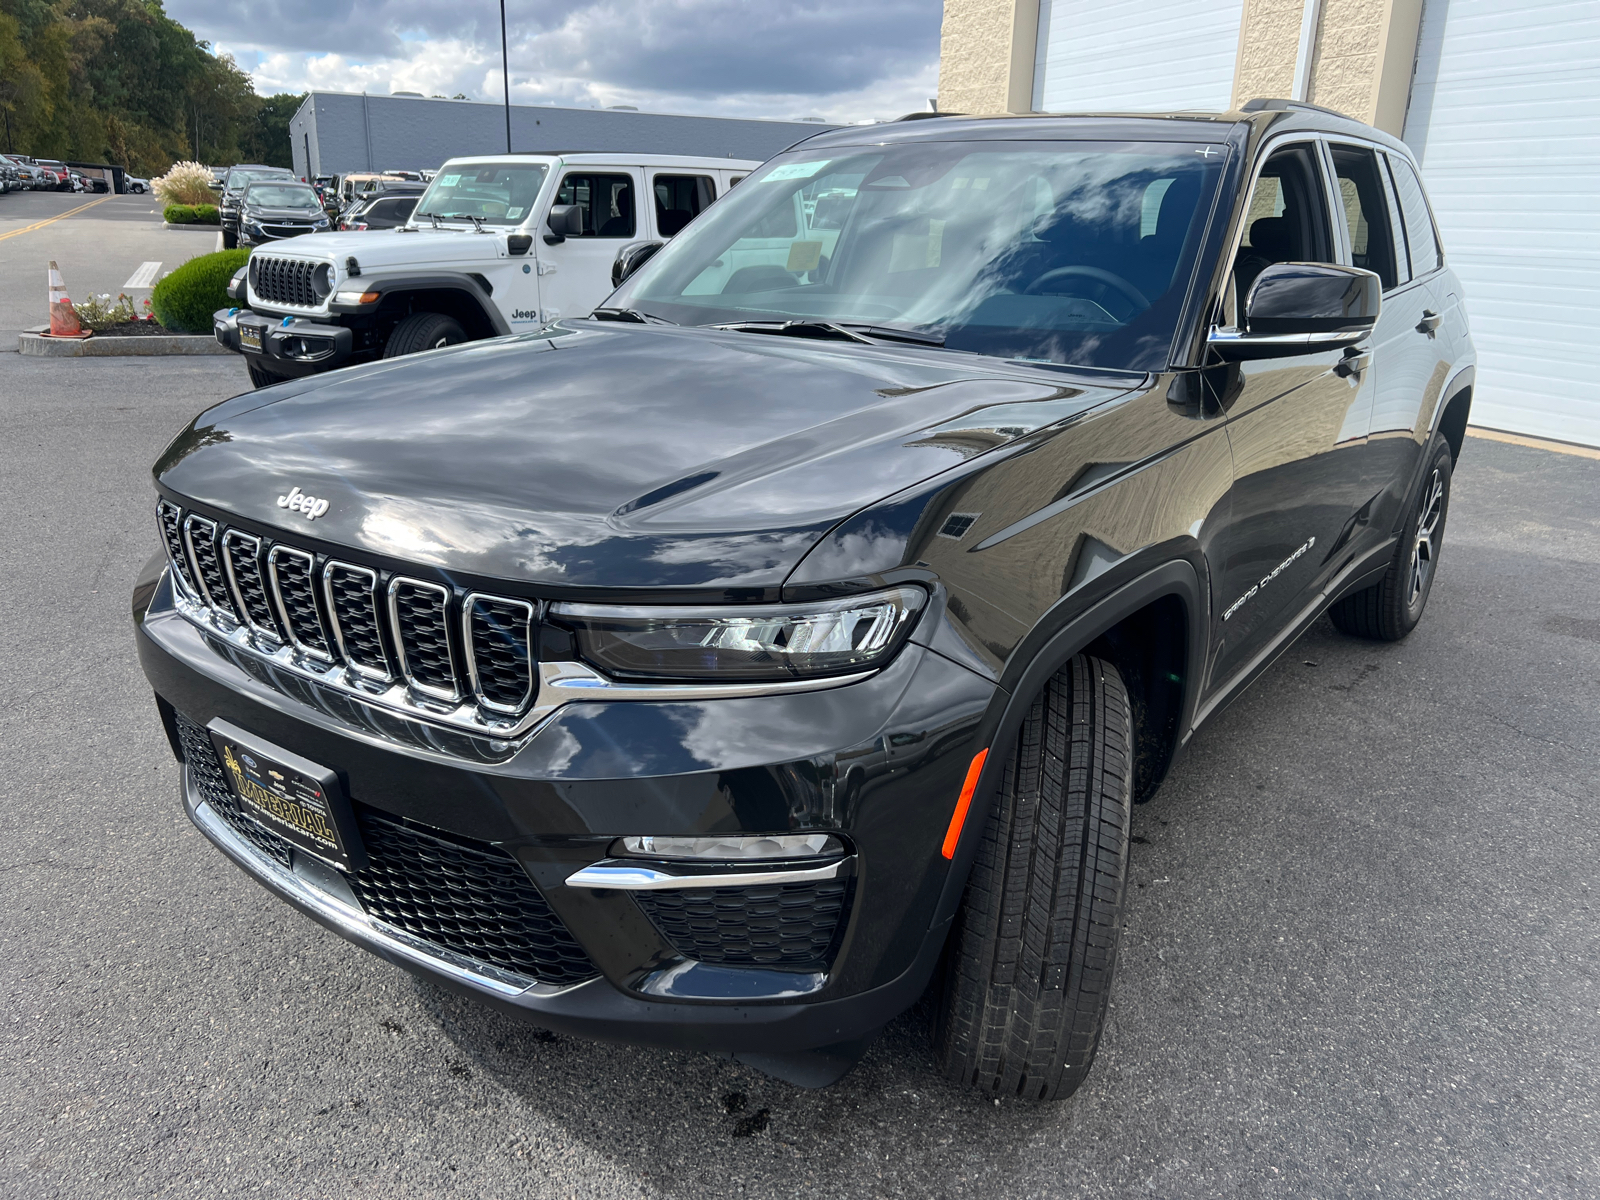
point(498, 244)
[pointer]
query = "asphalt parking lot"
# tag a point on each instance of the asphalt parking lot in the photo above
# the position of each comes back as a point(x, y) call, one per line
point(1360, 958)
point(100, 243)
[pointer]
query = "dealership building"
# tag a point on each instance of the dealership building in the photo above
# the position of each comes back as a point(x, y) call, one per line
point(1498, 99)
point(335, 133)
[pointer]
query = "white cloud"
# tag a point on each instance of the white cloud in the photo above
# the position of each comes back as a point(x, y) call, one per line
point(830, 58)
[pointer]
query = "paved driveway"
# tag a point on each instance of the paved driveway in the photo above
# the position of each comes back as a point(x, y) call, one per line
point(1360, 959)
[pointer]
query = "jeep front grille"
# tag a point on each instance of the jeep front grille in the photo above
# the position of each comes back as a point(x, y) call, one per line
point(415, 645)
point(284, 280)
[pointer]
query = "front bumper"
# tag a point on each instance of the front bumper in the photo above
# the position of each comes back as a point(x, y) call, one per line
point(879, 763)
point(289, 346)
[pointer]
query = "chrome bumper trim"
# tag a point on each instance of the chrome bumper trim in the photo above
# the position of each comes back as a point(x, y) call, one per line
point(640, 877)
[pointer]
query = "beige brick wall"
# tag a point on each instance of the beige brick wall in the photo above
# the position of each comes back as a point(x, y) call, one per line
point(1269, 39)
point(986, 52)
point(1361, 64)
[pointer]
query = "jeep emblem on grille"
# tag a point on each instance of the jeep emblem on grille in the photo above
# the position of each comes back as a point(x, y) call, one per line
point(309, 507)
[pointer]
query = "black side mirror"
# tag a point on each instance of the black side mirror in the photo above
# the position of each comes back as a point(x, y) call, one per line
point(1302, 308)
point(565, 220)
point(630, 258)
point(236, 285)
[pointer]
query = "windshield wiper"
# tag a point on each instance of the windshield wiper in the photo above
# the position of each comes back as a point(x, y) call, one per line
point(806, 329)
point(869, 335)
point(894, 333)
point(629, 314)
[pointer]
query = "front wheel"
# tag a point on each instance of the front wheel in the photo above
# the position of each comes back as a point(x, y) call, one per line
point(1035, 942)
point(423, 331)
point(1391, 608)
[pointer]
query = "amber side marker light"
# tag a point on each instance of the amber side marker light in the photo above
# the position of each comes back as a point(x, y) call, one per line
point(959, 817)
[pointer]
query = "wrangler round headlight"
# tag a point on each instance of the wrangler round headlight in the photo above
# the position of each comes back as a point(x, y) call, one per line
point(322, 281)
point(768, 642)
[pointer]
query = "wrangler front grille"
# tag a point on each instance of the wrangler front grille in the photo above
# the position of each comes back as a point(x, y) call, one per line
point(410, 644)
point(459, 894)
point(284, 280)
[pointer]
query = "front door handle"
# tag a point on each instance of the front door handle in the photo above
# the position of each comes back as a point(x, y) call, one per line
point(1430, 321)
point(1353, 363)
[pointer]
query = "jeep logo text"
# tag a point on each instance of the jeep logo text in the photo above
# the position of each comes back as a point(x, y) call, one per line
point(309, 507)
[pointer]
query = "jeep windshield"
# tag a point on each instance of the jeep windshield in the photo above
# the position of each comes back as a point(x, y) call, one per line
point(493, 193)
point(268, 195)
point(1064, 252)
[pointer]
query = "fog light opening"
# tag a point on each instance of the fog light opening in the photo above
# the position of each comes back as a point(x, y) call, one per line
point(732, 848)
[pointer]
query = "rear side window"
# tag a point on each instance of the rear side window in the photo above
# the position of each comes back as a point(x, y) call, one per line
point(1420, 237)
point(1366, 212)
point(680, 199)
point(606, 200)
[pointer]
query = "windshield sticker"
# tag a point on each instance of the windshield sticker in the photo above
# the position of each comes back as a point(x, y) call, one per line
point(513, 213)
point(796, 170)
point(449, 180)
point(804, 256)
point(891, 181)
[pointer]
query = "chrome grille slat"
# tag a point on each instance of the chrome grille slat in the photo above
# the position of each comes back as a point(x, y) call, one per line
point(352, 596)
point(293, 573)
point(420, 622)
point(498, 636)
point(170, 518)
point(241, 560)
point(200, 539)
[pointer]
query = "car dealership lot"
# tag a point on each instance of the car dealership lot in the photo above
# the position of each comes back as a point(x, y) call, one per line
point(100, 243)
point(1360, 955)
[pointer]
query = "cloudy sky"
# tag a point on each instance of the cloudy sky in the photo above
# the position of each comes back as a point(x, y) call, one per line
point(841, 60)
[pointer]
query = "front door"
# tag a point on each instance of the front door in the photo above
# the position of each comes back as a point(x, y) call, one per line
point(1298, 430)
point(575, 275)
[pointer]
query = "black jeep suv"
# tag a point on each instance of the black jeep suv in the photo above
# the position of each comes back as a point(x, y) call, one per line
point(704, 672)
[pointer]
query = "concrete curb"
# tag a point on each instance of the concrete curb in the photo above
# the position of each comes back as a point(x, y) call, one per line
point(193, 225)
point(152, 346)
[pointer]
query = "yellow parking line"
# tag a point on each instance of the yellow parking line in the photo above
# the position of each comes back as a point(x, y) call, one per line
point(1517, 439)
point(52, 220)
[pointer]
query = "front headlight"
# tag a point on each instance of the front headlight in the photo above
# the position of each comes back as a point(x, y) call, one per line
point(770, 642)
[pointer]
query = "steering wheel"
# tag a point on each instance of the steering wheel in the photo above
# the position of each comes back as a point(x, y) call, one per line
point(1115, 282)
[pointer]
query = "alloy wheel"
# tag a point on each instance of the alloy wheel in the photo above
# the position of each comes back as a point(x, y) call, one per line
point(1425, 547)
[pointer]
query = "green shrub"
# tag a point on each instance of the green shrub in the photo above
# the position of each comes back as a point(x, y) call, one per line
point(206, 214)
point(178, 214)
point(185, 299)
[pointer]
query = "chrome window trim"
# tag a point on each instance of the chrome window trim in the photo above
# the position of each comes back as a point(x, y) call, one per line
point(642, 877)
point(190, 523)
point(276, 591)
point(360, 669)
point(432, 691)
point(271, 635)
point(472, 658)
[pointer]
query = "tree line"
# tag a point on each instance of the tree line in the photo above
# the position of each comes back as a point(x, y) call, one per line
point(119, 81)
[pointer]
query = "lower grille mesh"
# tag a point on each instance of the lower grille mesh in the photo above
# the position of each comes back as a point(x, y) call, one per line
point(791, 925)
point(464, 896)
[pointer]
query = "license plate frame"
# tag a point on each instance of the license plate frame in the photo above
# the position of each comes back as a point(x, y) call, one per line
point(250, 338)
point(302, 802)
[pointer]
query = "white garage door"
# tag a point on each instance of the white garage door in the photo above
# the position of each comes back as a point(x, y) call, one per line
point(1135, 55)
point(1505, 117)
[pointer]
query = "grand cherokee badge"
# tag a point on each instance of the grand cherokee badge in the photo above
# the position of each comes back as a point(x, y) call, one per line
point(308, 506)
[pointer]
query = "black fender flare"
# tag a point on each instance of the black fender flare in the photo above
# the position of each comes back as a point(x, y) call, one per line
point(1062, 632)
point(476, 287)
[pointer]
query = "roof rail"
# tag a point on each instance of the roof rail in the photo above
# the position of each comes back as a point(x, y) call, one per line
point(1261, 104)
point(923, 116)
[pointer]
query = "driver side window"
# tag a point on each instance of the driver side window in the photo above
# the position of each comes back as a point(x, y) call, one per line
point(1287, 220)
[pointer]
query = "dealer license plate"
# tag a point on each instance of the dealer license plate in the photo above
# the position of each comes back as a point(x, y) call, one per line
point(250, 338)
point(291, 796)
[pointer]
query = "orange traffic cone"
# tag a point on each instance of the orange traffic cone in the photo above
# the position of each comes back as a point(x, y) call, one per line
point(63, 317)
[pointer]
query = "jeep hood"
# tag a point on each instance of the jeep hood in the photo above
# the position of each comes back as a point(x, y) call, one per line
point(598, 456)
point(388, 248)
